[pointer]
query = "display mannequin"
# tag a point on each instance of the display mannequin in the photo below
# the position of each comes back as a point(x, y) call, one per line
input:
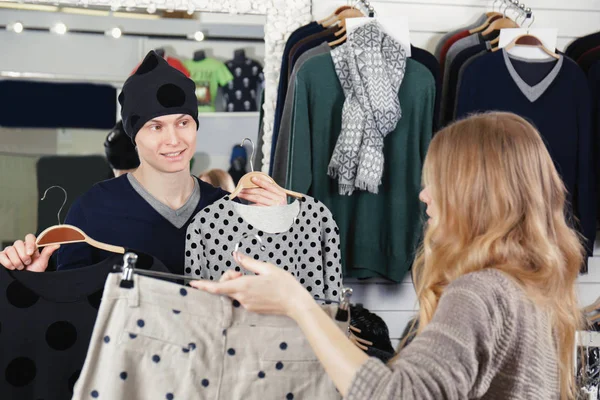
point(199, 55)
point(239, 56)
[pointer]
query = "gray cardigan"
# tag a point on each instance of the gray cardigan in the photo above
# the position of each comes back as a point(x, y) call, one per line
point(487, 340)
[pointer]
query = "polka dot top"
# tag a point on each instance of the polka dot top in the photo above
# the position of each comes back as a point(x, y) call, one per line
point(309, 249)
point(46, 323)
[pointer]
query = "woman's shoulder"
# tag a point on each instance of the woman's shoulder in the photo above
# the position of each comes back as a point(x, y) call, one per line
point(490, 285)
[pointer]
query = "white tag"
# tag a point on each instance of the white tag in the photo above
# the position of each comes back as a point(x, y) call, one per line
point(396, 27)
point(547, 36)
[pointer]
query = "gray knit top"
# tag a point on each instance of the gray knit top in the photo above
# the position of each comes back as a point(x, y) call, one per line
point(300, 237)
point(486, 340)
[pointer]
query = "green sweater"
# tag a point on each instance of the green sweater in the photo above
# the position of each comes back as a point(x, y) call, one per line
point(379, 232)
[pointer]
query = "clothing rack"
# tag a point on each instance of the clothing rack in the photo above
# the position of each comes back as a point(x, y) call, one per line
point(128, 270)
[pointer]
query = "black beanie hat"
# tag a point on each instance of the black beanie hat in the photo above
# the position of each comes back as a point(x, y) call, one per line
point(119, 149)
point(154, 90)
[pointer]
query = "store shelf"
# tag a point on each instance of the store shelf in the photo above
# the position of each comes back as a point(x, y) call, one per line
point(253, 114)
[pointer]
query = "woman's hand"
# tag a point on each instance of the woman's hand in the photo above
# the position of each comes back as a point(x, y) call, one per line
point(26, 255)
point(266, 195)
point(272, 291)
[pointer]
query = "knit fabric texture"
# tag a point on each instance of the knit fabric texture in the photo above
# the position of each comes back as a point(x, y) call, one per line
point(370, 67)
point(487, 340)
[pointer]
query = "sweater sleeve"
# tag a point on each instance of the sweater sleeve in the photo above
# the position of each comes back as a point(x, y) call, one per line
point(299, 174)
point(451, 359)
point(280, 158)
point(466, 101)
point(76, 255)
point(586, 172)
point(332, 259)
point(196, 264)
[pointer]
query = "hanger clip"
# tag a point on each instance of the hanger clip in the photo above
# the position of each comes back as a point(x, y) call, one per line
point(343, 311)
point(129, 260)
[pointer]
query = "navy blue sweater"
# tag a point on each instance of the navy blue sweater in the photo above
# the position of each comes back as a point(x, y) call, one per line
point(113, 212)
point(562, 114)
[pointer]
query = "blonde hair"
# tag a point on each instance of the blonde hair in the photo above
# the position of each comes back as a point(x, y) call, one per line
point(500, 203)
point(218, 178)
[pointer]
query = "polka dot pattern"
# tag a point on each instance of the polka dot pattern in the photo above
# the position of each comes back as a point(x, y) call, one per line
point(61, 335)
point(20, 296)
point(20, 371)
point(309, 249)
point(170, 95)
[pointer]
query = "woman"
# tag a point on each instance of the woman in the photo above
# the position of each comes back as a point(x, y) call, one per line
point(150, 209)
point(495, 279)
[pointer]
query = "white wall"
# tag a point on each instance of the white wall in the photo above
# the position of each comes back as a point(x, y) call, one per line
point(428, 21)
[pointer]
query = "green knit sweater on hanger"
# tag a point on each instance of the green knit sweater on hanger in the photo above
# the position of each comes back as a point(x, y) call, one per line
point(379, 232)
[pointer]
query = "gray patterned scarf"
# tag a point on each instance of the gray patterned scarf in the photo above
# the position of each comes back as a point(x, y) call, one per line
point(370, 67)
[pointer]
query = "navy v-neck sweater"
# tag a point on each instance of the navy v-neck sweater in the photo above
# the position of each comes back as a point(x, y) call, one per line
point(561, 113)
point(113, 212)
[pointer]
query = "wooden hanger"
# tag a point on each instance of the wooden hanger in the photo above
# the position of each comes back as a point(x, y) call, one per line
point(492, 16)
point(595, 306)
point(65, 234)
point(594, 319)
point(246, 180)
point(330, 20)
point(246, 183)
point(352, 13)
point(502, 23)
point(531, 41)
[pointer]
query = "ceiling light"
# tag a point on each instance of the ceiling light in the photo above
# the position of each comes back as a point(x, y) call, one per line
point(191, 9)
point(115, 33)
point(59, 28)
point(199, 36)
point(151, 8)
point(17, 27)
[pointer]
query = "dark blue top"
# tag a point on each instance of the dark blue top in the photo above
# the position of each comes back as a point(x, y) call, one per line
point(112, 212)
point(562, 114)
point(427, 59)
point(453, 82)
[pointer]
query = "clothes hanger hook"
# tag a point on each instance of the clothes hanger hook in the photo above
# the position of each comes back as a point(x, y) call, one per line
point(63, 204)
point(494, 5)
point(253, 151)
point(522, 14)
point(532, 16)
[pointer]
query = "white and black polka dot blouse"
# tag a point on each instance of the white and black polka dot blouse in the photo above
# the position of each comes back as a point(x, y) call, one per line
point(308, 245)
